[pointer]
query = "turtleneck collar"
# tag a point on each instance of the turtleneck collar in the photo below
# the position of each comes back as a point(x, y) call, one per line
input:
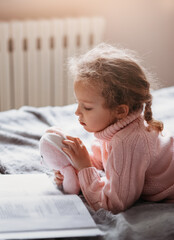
point(111, 130)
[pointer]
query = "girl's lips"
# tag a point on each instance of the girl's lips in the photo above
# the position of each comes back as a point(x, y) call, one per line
point(82, 123)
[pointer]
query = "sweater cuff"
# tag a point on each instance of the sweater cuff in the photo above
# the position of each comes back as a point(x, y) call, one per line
point(88, 175)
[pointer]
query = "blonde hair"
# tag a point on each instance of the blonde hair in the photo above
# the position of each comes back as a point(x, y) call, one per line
point(120, 77)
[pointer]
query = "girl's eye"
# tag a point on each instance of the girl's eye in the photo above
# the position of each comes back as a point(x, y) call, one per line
point(87, 109)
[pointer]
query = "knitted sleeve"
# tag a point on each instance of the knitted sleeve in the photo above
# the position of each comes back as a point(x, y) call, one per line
point(125, 174)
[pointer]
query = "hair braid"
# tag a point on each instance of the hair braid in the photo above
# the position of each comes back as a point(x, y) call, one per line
point(148, 111)
point(152, 123)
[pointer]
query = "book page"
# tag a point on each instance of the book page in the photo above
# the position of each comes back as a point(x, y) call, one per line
point(32, 207)
point(43, 213)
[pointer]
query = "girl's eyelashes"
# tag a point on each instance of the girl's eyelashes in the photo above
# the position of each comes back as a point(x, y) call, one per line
point(83, 106)
point(87, 108)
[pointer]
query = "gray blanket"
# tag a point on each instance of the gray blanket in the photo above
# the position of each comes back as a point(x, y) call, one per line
point(20, 131)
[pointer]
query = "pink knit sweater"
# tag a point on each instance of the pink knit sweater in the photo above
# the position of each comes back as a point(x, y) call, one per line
point(136, 163)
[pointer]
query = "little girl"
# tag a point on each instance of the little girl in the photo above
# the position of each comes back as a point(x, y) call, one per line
point(114, 102)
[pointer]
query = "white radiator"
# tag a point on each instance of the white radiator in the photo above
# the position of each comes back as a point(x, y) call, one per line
point(33, 59)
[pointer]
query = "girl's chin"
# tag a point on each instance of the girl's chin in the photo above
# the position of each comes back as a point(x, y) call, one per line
point(89, 129)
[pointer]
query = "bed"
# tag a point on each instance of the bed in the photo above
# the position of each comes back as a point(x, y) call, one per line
point(20, 131)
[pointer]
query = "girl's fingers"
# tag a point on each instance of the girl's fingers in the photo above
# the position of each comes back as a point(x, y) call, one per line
point(69, 152)
point(58, 182)
point(58, 175)
point(70, 144)
point(74, 143)
point(70, 137)
point(74, 139)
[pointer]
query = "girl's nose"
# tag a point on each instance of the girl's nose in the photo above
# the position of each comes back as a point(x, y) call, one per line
point(77, 112)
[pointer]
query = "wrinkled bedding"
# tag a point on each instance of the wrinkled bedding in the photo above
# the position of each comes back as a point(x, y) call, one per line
point(20, 131)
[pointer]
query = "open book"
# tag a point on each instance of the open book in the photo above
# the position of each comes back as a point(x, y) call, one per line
point(32, 207)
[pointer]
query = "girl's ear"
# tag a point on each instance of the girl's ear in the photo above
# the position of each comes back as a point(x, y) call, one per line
point(122, 111)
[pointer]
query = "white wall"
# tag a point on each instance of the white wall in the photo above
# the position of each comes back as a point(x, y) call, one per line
point(146, 26)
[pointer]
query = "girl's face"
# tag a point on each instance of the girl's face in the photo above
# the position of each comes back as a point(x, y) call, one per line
point(92, 115)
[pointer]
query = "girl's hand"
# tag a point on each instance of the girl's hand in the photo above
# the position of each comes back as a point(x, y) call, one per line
point(58, 178)
point(78, 153)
